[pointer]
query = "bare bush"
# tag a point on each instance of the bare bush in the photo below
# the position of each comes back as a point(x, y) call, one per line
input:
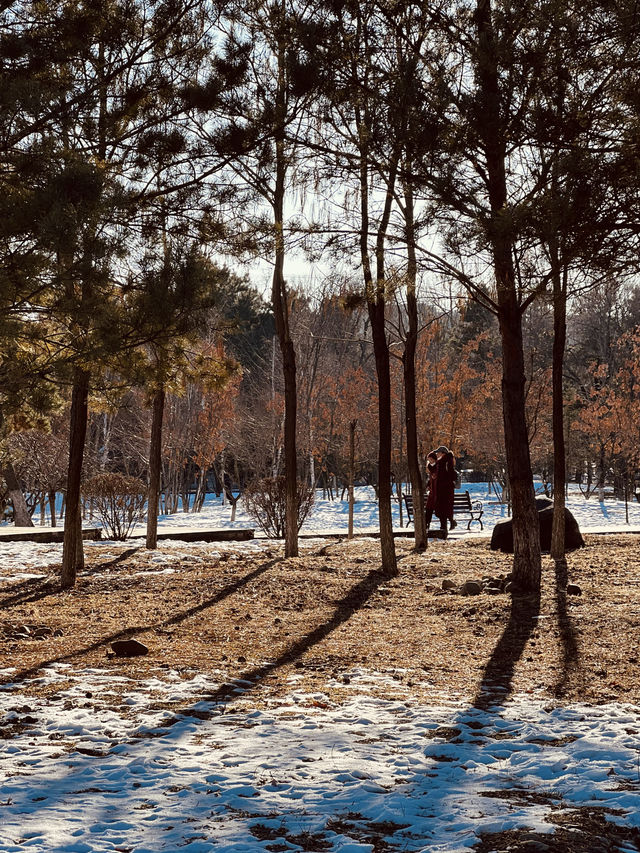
point(265, 501)
point(119, 501)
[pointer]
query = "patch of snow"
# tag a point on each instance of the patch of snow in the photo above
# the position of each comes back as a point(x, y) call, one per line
point(91, 768)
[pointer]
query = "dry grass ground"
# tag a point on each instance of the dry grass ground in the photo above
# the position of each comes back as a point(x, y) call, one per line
point(263, 617)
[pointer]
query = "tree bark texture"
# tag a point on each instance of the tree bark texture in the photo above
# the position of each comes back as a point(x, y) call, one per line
point(526, 529)
point(352, 470)
point(409, 376)
point(52, 507)
point(21, 517)
point(281, 316)
point(72, 551)
point(381, 352)
point(155, 469)
point(376, 302)
point(559, 449)
point(526, 533)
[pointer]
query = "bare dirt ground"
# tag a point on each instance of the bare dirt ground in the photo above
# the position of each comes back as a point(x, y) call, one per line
point(331, 609)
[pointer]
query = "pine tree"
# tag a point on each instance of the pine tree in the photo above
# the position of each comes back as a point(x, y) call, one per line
point(110, 94)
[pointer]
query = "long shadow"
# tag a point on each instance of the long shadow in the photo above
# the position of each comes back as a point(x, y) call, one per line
point(357, 596)
point(28, 591)
point(108, 564)
point(497, 677)
point(568, 636)
point(126, 632)
point(35, 589)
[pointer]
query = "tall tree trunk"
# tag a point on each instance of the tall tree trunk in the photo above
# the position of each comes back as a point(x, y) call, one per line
point(312, 461)
point(376, 309)
point(409, 376)
point(21, 517)
point(381, 352)
point(526, 532)
point(52, 506)
point(281, 316)
point(526, 528)
point(376, 304)
point(352, 468)
point(155, 469)
point(559, 275)
point(559, 450)
point(72, 551)
point(223, 475)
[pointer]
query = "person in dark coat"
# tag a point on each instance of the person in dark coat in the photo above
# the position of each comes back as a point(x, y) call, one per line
point(432, 484)
point(446, 478)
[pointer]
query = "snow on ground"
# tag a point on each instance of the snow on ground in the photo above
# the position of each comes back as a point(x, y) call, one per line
point(593, 516)
point(108, 764)
point(305, 773)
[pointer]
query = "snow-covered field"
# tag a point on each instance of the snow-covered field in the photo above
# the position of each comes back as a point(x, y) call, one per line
point(592, 515)
point(108, 764)
point(302, 774)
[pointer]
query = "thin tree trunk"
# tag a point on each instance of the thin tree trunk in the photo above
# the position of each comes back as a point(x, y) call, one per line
point(312, 461)
point(155, 469)
point(376, 304)
point(199, 499)
point(381, 352)
point(559, 451)
point(21, 517)
point(626, 493)
point(281, 316)
point(526, 532)
point(52, 506)
point(72, 551)
point(223, 475)
point(352, 467)
point(409, 376)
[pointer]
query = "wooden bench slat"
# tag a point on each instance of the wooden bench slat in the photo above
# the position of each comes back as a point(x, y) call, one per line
point(462, 505)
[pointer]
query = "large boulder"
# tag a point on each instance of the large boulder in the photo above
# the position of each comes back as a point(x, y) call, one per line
point(502, 537)
point(572, 535)
point(542, 502)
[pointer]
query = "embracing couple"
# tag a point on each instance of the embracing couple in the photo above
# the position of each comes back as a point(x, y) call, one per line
point(442, 478)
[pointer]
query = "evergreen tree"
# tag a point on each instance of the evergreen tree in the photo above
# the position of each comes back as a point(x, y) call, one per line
point(262, 141)
point(170, 310)
point(112, 95)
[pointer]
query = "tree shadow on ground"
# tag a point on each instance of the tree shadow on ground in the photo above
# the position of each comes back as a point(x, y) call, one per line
point(28, 591)
point(346, 607)
point(109, 564)
point(568, 636)
point(126, 632)
point(35, 589)
point(497, 677)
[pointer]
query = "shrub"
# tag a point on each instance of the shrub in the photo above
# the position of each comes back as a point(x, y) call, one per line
point(265, 501)
point(119, 501)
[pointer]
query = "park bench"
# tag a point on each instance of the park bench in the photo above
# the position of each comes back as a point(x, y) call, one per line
point(462, 505)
